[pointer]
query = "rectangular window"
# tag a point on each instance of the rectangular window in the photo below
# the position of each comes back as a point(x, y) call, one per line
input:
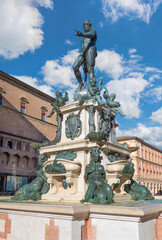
point(27, 147)
point(22, 108)
point(18, 145)
point(1, 141)
point(143, 173)
point(43, 116)
point(0, 99)
point(142, 153)
point(9, 144)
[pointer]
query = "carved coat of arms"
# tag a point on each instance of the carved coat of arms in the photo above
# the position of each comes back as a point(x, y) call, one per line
point(73, 126)
point(104, 123)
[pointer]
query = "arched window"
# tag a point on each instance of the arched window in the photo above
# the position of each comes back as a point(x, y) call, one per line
point(4, 159)
point(32, 163)
point(23, 162)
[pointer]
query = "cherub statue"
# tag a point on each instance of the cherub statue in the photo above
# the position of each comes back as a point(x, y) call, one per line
point(111, 103)
point(93, 92)
point(60, 101)
point(98, 190)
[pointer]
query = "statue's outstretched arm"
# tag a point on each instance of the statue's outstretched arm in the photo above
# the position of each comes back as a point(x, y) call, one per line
point(100, 83)
point(89, 34)
point(78, 33)
point(106, 94)
point(66, 96)
point(51, 113)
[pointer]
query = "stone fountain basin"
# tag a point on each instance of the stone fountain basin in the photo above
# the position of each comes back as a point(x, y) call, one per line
point(116, 167)
point(71, 166)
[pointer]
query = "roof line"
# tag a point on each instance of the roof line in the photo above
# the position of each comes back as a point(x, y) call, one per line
point(140, 140)
point(16, 81)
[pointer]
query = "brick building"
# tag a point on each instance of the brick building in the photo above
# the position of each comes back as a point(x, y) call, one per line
point(23, 119)
point(147, 163)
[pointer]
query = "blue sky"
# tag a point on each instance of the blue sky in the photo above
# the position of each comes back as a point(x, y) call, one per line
point(38, 46)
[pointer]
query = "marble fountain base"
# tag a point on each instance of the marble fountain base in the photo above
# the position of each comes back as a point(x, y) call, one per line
point(51, 221)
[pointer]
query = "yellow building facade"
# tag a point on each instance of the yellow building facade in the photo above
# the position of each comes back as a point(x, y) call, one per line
point(147, 163)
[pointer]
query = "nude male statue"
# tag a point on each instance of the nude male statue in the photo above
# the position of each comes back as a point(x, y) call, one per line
point(87, 55)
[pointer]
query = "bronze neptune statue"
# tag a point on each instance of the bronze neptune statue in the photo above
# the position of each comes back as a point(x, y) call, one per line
point(87, 55)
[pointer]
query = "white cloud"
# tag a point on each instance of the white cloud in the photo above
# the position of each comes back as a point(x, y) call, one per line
point(135, 57)
point(128, 92)
point(141, 9)
point(132, 50)
point(131, 79)
point(157, 116)
point(43, 3)
point(101, 24)
point(110, 62)
point(35, 83)
point(154, 77)
point(69, 58)
point(151, 135)
point(152, 69)
point(154, 94)
point(21, 24)
point(59, 72)
point(68, 42)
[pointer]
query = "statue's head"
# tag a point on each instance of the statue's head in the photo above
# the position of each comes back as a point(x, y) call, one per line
point(92, 81)
point(112, 96)
point(41, 159)
point(87, 25)
point(58, 94)
point(95, 154)
point(105, 94)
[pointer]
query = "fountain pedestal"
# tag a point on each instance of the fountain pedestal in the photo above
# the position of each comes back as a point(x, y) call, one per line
point(81, 130)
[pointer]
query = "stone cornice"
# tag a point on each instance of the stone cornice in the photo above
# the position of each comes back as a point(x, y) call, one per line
point(12, 80)
point(133, 212)
point(125, 138)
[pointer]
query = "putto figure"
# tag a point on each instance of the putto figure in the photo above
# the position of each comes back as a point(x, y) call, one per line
point(60, 101)
point(110, 100)
point(87, 55)
point(93, 92)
